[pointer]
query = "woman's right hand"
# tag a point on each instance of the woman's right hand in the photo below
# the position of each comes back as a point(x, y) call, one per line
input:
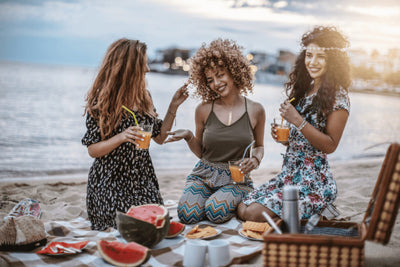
point(131, 134)
point(275, 136)
point(179, 135)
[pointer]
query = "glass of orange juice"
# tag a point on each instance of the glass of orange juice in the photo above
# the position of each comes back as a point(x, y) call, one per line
point(147, 131)
point(237, 176)
point(282, 130)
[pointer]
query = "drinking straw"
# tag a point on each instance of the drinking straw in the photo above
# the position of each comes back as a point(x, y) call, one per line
point(290, 101)
point(271, 222)
point(244, 154)
point(133, 114)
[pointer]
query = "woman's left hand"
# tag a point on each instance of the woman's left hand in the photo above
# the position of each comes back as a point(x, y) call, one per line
point(248, 164)
point(290, 114)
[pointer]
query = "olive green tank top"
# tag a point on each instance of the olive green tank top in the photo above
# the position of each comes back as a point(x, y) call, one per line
point(222, 143)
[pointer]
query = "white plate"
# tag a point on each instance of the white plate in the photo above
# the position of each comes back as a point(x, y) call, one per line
point(247, 237)
point(170, 204)
point(208, 237)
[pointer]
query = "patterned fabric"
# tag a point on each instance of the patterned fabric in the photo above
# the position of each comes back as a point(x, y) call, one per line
point(210, 193)
point(122, 178)
point(304, 166)
point(168, 252)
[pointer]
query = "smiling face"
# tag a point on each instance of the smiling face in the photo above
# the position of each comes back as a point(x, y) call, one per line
point(220, 81)
point(315, 61)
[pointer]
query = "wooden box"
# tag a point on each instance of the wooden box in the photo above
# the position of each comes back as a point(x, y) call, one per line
point(335, 243)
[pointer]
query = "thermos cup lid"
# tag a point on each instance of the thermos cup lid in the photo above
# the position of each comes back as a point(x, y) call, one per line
point(290, 192)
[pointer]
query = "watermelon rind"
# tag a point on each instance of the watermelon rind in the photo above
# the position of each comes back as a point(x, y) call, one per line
point(142, 232)
point(115, 245)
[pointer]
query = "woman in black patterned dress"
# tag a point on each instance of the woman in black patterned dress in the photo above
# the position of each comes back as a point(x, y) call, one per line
point(121, 174)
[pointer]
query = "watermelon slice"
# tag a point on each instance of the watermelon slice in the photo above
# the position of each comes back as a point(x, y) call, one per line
point(120, 254)
point(175, 228)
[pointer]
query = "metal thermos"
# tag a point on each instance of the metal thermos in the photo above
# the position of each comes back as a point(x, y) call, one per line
point(290, 209)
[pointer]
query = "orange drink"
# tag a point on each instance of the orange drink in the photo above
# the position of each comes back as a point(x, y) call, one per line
point(282, 133)
point(237, 176)
point(147, 131)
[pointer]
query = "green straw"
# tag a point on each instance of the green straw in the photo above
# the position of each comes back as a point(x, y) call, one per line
point(133, 114)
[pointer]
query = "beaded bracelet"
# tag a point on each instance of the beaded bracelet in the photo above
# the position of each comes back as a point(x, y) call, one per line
point(301, 126)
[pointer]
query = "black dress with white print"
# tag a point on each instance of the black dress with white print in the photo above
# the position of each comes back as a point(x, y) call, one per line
point(122, 178)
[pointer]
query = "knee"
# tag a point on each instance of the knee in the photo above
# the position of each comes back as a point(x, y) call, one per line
point(253, 212)
point(217, 214)
point(189, 215)
point(241, 211)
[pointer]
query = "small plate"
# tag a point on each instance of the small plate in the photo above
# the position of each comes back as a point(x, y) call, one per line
point(247, 237)
point(63, 248)
point(208, 237)
point(170, 204)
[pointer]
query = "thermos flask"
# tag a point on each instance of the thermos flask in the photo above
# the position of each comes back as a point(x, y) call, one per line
point(290, 209)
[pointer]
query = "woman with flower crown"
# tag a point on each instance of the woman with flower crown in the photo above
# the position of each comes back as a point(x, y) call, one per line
point(317, 116)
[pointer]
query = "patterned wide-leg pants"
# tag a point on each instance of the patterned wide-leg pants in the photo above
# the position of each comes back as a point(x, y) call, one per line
point(199, 201)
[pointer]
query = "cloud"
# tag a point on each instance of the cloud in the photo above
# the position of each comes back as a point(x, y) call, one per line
point(255, 24)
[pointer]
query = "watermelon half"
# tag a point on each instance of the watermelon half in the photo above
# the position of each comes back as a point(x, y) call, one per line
point(120, 254)
point(146, 224)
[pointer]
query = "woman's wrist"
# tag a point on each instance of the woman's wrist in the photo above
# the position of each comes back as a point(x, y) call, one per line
point(257, 159)
point(301, 126)
point(190, 138)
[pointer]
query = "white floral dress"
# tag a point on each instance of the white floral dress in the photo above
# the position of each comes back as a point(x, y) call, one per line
point(304, 166)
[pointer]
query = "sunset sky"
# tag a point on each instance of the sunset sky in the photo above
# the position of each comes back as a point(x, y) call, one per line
point(78, 32)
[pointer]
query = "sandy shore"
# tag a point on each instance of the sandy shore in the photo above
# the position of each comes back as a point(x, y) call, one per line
point(63, 198)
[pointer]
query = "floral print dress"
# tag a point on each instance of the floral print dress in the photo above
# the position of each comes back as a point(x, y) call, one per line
point(304, 166)
point(122, 178)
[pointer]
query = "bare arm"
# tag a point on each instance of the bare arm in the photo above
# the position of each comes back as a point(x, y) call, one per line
point(179, 97)
point(325, 142)
point(194, 141)
point(104, 147)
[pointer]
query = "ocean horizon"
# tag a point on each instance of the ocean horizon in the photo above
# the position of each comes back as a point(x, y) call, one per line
point(42, 122)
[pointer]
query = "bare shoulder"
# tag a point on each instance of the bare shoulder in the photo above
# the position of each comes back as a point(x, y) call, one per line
point(255, 108)
point(203, 110)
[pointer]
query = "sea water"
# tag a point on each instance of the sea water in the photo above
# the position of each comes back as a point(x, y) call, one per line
point(42, 122)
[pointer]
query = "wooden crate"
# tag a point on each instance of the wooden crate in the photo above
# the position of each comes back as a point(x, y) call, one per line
point(334, 243)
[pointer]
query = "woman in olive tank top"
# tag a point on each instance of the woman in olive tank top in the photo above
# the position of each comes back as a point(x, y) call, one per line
point(226, 123)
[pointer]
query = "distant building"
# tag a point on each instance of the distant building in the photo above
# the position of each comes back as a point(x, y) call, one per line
point(171, 61)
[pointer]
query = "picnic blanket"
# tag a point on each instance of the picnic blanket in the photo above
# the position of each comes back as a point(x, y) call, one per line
point(168, 252)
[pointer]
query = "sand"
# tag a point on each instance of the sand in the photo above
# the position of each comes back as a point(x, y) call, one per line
point(63, 198)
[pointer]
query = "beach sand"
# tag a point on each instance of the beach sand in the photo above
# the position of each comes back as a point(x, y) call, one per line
point(63, 198)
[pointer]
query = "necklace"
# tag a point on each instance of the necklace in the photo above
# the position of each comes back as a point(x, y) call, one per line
point(230, 118)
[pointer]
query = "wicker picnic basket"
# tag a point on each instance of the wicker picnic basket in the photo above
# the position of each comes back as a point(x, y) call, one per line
point(335, 243)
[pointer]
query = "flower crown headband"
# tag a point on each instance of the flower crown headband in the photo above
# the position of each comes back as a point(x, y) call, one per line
point(324, 48)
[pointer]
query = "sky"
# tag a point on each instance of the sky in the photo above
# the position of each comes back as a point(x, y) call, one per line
point(78, 32)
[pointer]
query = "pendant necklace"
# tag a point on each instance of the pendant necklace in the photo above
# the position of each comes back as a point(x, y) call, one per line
point(230, 118)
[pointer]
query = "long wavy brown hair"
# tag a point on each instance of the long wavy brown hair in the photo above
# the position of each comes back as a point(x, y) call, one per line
point(120, 81)
point(337, 75)
point(220, 53)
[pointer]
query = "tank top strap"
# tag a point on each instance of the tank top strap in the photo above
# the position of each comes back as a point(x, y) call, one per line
point(245, 103)
point(212, 106)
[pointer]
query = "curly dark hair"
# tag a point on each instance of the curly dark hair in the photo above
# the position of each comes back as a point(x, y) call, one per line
point(337, 75)
point(220, 54)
